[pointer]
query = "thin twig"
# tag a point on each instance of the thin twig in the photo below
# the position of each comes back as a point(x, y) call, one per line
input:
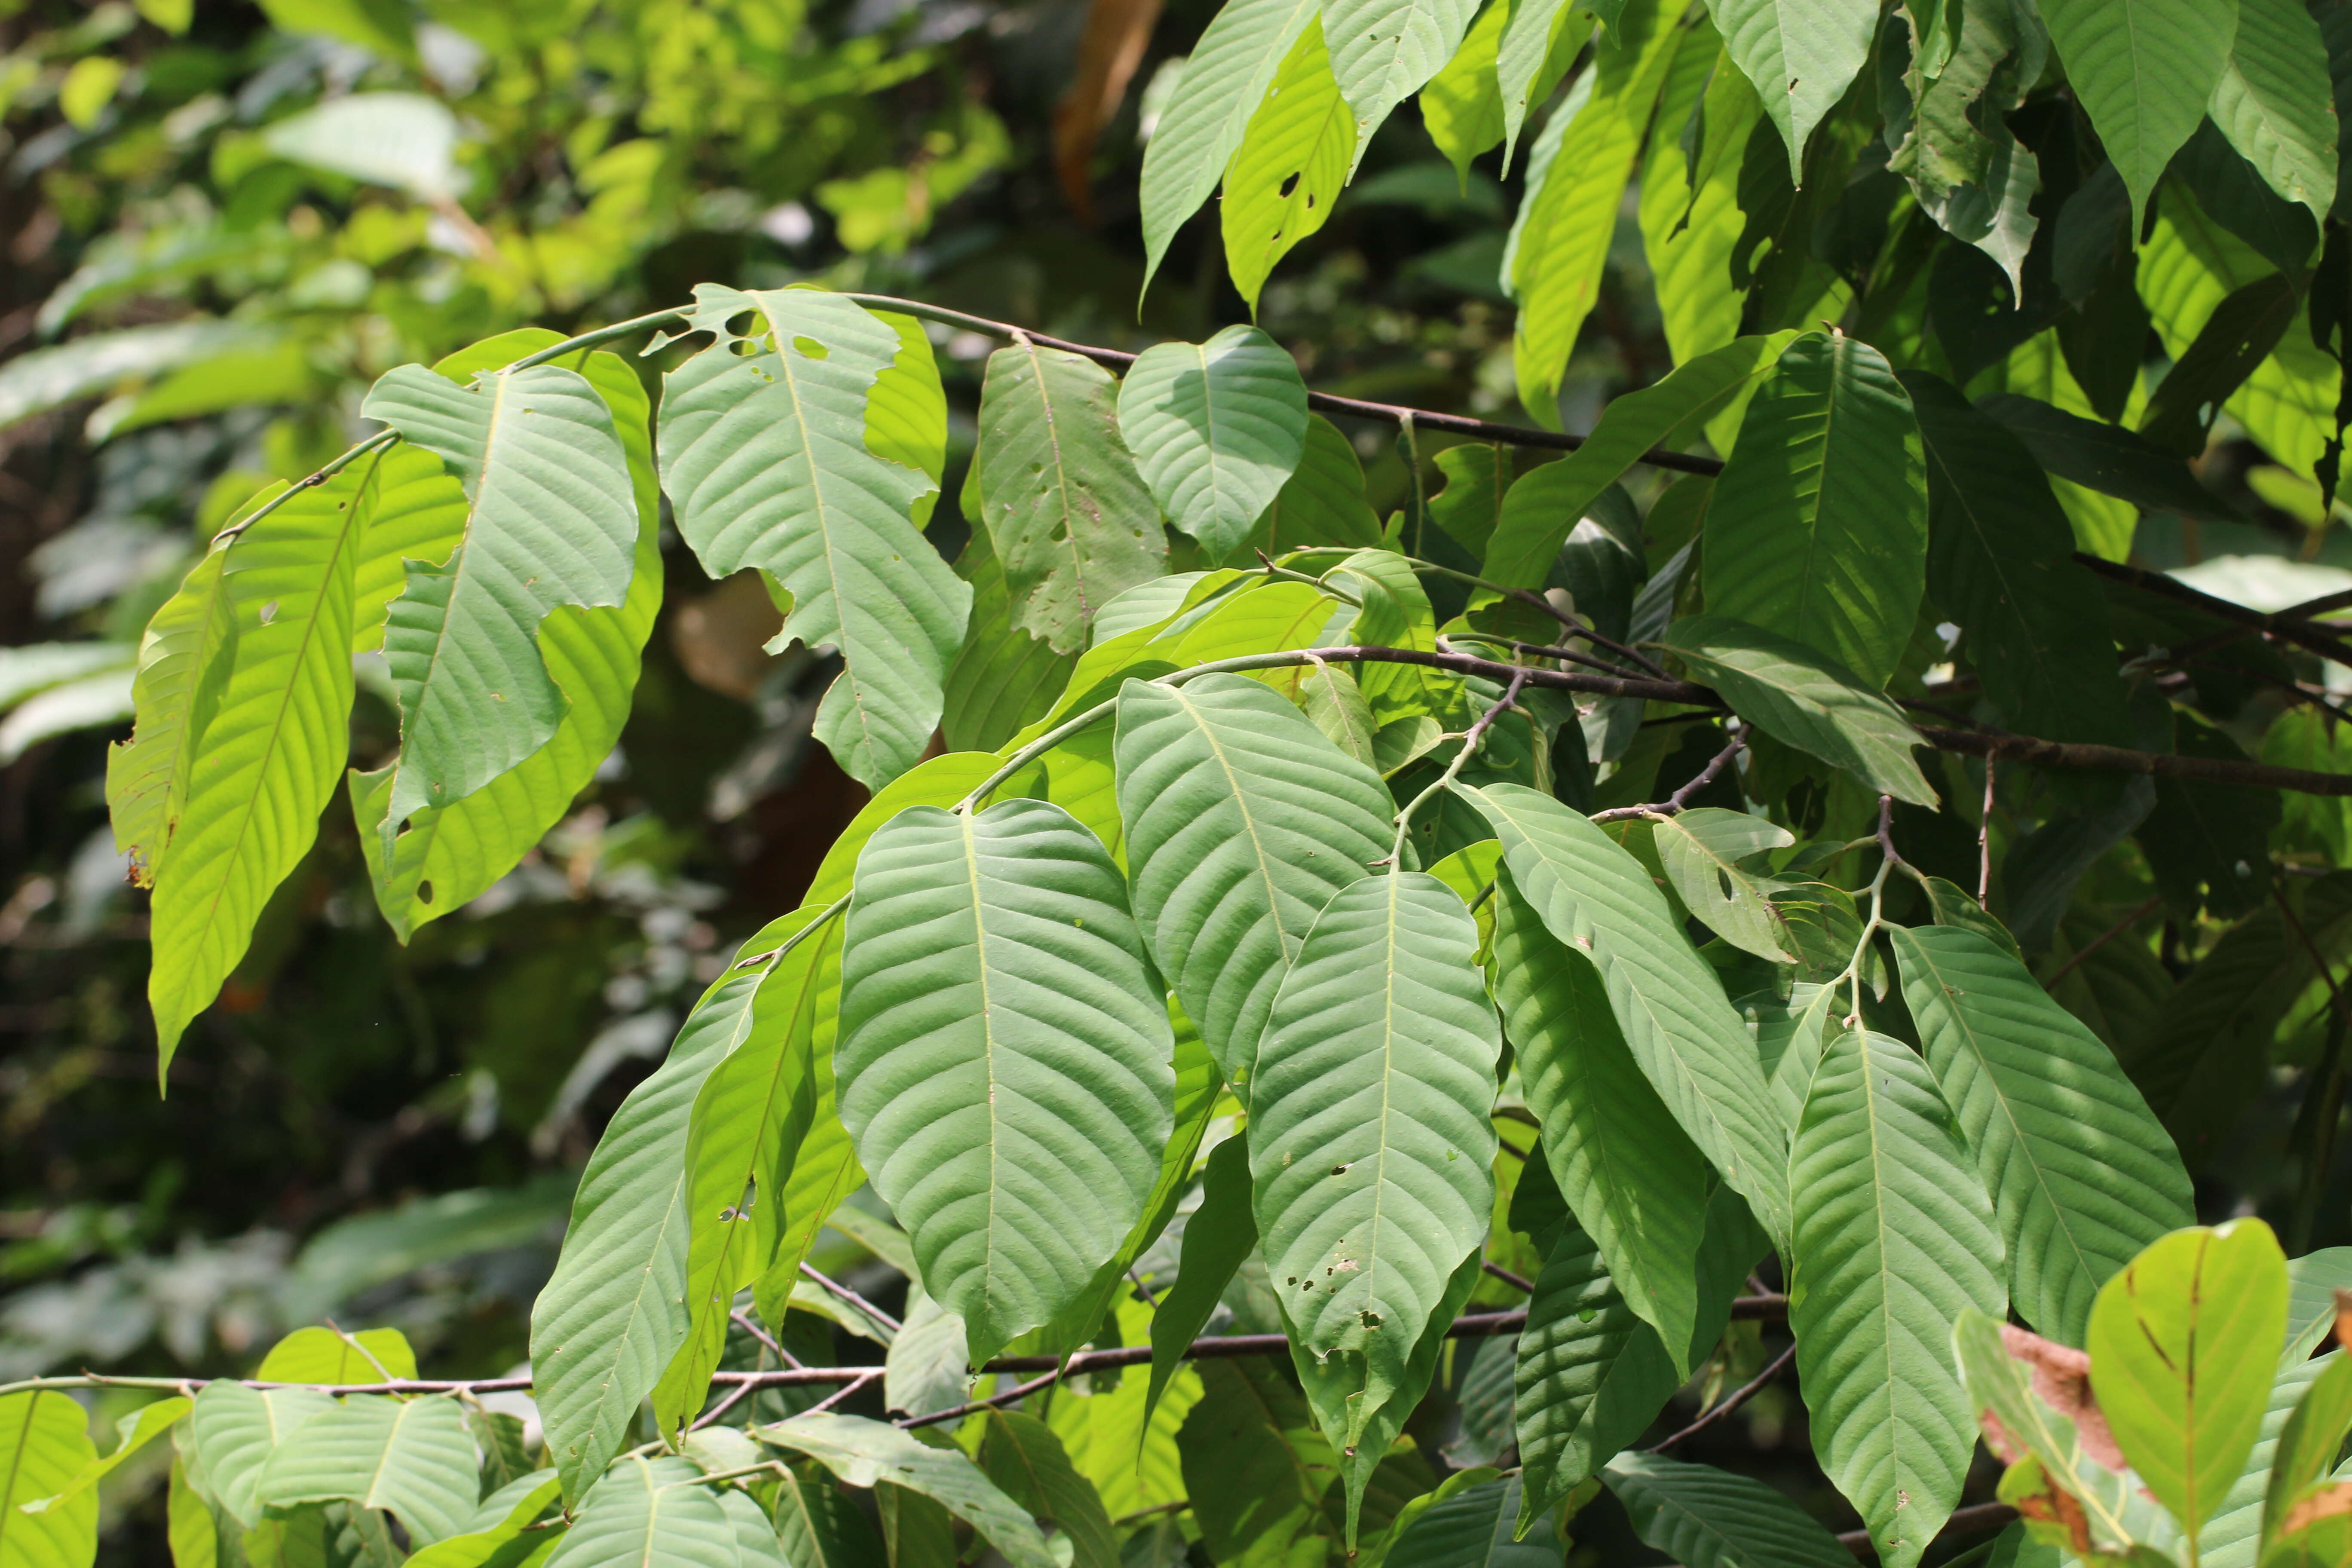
point(1722, 1408)
point(2285, 628)
point(1515, 1281)
point(742, 1320)
point(743, 1390)
point(1984, 838)
point(1678, 802)
point(1536, 650)
point(830, 1400)
point(843, 1292)
point(2154, 902)
point(1020, 1390)
point(1471, 738)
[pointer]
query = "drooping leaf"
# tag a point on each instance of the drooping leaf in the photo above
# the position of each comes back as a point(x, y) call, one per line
point(1713, 857)
point(1004, 1055)
point(1022, 1456)
point(1800, 57)
point(2182, 1344)
point(863, 1452)
point(1597, 898)
point(1535, 51)
point(1633, 1180)
point(648, 1510)
point(412, 1456)
point(1690, 212)
point(44, 1444)
point(1800, 696)
point(1384, 51)
point(765, 460)
point(1590, 1376)
point(2082, 1176)
point(1818, 529)
point(1462, 107)
point(819, 1527)
point(1371, 1151)
point(1257, 1468)
point(2143, 70)
point(133, 1433)
point(1707, 1518)
point(1222, 1233)
point(1894, 1237)
point(1218, 429)
point(182, 665)
point(1471, 1529)
point(1289, 165)
point(1242, 821)
point(2235, 341)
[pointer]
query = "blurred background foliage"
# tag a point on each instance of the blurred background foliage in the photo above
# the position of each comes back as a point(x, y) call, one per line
point(224, 220)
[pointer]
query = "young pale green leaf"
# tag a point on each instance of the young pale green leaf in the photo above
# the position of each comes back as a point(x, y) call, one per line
point(411, 1457)
point(1257, 1468)
point(2182, 1344)
point(2312, 1281)
point(765, 458)
point(1690, 212)
point(334, 1356)
point(269, 753)
point(1023, 1457)
point(497, 1524)
point(1217, 428)
point(2143, 70)
point(232, 1432)
point(2082, 1174)
point(1706, 1518)
point(1004, 677)
point(1066, 509)
point(1546, 501)
point(1794, 693)
point(1633, 1180)
point(184, 662)
point(1597, 898)
point(44, 1445)
point(1222, 1233)
point(1004, 1055)
point(645, 1512)
point(863, 1453)
point(2304, 1447)
point(1289, 167)
point(1384, 51)
point(1709, 855)
point(1473, 1528)
point(1894, 1237)
point(2273, 101)
point(1224, 80)
point(133, 1433)
point(1538, 45)
point(1800, 57)
point(1576, 178)
point(1589, 1378)
point(552, 521)
point(1371, 1151)
point(1242, 821)
point(1818, 529)
point(907, 411)
point(606, 1325)
point(1462, 107)
point(2001, 563)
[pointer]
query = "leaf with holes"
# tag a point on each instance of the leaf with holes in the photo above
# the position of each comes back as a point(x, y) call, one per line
point(1538, 45)
point(1289, 167)
point(1384, 51)
point(182, 665)
point(1712, 857)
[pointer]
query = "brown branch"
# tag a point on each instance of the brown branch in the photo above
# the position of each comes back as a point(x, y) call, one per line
point(1676, 803)
point(2285, 627)
point(1964, 1521)
point(1515, 1281)
point(1746, 1391)
point(2154, 902)
point(2156, 764)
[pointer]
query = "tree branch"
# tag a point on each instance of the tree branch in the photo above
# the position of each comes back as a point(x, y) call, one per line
point(2284, 627)
point(2157, 764)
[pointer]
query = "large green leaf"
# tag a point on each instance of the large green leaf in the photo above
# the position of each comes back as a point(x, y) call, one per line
point(1224, 80)
point(765, 458)
point(1632, 1178)
point(230, 1435)
point(411, 1457)
point(1371, 1151)
point(1257, 1468)
point(608, 1321)
point(1022, 1456)
point(863, 1453)
point(1538, 43)
point(2182, 1344)
point(2001, 563)
point(2143, 70)
point(1222, 1233)
point(2082, 1174)
point(645, 1512)
point(1591, 1376)
point(1243, 819)
point(1289, 166)
point(268, 758)
point(1800, 56)
point(44, 1444)
point(1818, 529)
point(1794, 693)
point(1474, 1527)
point(1004, 1055)
point(1384, 51)
point(552, 521)
point(1217, 428)
point(1597, 898)
point(2273, 101)
point(182, 665)
point(1894, 1237)
point(1576, 178)
point(1706, 1518)
point(1066, 509)
point(1690, 214)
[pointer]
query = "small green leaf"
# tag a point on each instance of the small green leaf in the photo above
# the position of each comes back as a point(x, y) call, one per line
point(183, 661)
point(1801, 58)
point(1462, 108)
point(1384, 51)
point(1473, 1528)
point(1322, 503)
point(2305, 1448)
point(1221, 1232)
point(865, 1453)
point(1537, 48)
point(232, 1431)
point(1591, 1376)
point(331, 1357)
point(1004, 677)
point(1217, 428)
point(1711, 856)
point(1257, 1468)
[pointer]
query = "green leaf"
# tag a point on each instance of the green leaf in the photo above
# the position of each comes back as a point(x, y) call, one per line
point(133, 1433)
point(2234, 1536)
point(1706, 1518)
point(863, 1453)
point(1221, 1232)
point(1535, 51)
point(1066, 509)
point(1462, 107)
point(412, 1456)
point(1589, 1378)
point(1894, 1237)
point(2107, 458)
point(1711, 857)
point(1331, 697)
point(2312, 1281)
point(1021, 1455)
point(609, 1320)
point(1798, 695)
point(1690, 214)
point(417, 508)
point(1633, 1181)
point(1597, 898)
point(1818, 530)
point(648, 1511)
point(1004, 677)
point(765, 458)
point(1545, 504)
point(2182, 1344)
point(1477, 477)
point(1323, 502)
point(1257, 1468)
point(232, 1431)
point(2082, 1176)
point(756, 1544)
point(2273, 102)
point(1217, 428)
point(1241, 820)
point(1289, 167)
point(331, 1357)
point(2305, 1447)
point(498, 1523)
point(926, 1366)
point(2143, 70)
point(1003, 1057)
point(552, 522)
point(1801, 59)
point(1576, 174)
point(2042, 1446)
point(1472, 1529)
point(1384, 51)
point(48, 378)
point(1224, 80)
point(2234, 341)
point(184, 662)
point(907, 411)
point(2001, 563)
point(44, 1444)
point(819, 1527)
point(1371, 1151)
point(267, 759)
